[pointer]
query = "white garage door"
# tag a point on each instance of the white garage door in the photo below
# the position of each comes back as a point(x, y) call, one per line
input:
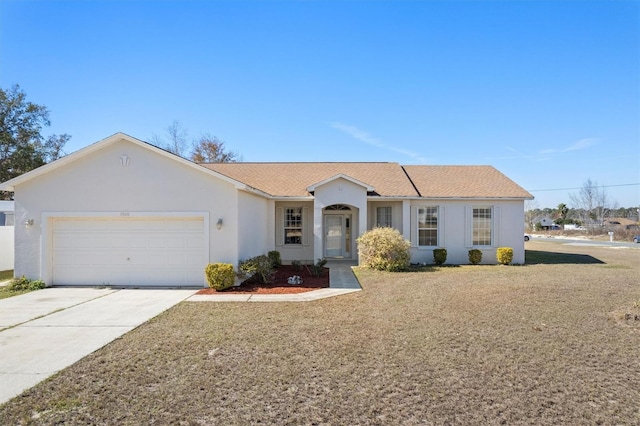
point(129, 251)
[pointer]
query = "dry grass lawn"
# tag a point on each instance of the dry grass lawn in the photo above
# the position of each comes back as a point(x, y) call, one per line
point(545, 343)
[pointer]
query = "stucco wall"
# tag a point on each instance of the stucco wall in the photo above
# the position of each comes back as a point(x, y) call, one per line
point(97, 183)
point(303, 252)
point(396, 213)
point(339, 191)
point(6, 248)
point(253, 215)
point(454, 229)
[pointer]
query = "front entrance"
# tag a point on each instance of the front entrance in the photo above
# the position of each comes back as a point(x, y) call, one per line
point(337, 235)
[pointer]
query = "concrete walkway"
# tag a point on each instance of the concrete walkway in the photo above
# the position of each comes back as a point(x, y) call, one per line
point(342, 280)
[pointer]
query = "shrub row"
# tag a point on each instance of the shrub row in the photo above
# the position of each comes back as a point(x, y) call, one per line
point(386, 249)
point(221, 276)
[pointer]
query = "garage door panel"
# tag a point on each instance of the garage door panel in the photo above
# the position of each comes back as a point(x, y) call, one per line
point(129, 251)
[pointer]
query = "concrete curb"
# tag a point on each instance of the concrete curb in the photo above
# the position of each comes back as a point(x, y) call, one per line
point(298, 297)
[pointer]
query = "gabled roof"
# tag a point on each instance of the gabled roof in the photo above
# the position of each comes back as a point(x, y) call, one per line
point(10, 184)
point(294, 179)
point(312, 188)
point(282, 180)
point(464, 182)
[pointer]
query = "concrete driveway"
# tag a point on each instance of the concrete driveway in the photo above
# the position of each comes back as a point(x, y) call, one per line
point(46, 331)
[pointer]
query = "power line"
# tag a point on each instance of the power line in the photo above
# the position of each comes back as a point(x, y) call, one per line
point(571, 189)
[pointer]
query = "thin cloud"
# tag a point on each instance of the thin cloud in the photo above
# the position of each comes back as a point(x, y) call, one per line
point(581, 144)
point(576, 146)
point(547, 153)
point(367, 138)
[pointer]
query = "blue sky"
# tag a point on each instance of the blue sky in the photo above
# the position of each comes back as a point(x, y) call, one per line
point(547, 92)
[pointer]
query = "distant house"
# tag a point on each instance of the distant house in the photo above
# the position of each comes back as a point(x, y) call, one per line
point(614, 223)
point(548, 224)
point(124, 212)
point(6, 235)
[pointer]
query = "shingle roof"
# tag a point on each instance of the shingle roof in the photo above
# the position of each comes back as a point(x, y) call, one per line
point(463, 182)
point(293, 179)
point(387, 179)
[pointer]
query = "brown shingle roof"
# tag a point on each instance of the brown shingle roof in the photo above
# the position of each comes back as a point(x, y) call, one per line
point(293, 179)
point(387, 179)
point(463, 182)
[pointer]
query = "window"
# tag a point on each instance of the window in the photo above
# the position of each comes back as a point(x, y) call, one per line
point(427, 226)
point(293, 225)
point(383, 216)
point(482, 226)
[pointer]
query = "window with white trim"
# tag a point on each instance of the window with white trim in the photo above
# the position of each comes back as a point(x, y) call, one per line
point(482, 226)
point(383, 216)
point(293, 225)
point(428, 226)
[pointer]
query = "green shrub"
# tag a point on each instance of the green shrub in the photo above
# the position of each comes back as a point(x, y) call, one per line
point(439, 256)
point(317, 270)
point(504, 255)
point(297, 266)
point(220, 276)
point(23, 283)
point(384, 249)
point(274, 258)
point(475, 256)
point(37, 285)
point(258, 267)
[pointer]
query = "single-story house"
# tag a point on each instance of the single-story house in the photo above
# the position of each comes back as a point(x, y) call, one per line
point(6, 235)
point(124, 212)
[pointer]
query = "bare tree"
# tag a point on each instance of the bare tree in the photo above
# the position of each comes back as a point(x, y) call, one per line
point(176, 139)
point(593, 200)
point(210, 149)
point(530, 210)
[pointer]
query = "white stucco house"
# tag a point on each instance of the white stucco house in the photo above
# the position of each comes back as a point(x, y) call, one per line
point(6, 235)
point(124, 212)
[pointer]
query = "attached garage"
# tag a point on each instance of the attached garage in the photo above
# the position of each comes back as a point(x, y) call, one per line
point(128, 251)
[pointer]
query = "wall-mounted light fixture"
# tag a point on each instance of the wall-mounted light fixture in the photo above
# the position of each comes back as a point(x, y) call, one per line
point(28, 223)
point(219, 224)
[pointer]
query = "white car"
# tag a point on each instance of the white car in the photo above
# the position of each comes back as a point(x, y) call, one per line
point(527, 237)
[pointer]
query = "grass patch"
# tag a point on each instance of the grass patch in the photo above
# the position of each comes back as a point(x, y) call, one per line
point(5, 292)
point(6, 275)
point(468, 345)
point(19, 286)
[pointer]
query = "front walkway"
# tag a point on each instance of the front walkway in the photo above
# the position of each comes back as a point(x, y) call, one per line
point(342, 280)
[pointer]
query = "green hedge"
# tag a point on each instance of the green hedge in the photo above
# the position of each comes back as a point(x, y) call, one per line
point(475, 256)
point(439, 256)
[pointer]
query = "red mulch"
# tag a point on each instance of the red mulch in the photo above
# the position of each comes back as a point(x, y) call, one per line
point(279, 283)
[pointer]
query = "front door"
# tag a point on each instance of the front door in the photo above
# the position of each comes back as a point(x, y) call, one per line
point(337, 232)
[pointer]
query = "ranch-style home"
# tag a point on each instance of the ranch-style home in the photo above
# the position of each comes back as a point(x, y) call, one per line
point(124, 212)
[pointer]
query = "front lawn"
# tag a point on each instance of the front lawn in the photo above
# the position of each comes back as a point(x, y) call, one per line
point(544, 343)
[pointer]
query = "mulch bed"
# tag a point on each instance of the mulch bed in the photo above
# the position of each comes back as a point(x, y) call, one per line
point(279, 283)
